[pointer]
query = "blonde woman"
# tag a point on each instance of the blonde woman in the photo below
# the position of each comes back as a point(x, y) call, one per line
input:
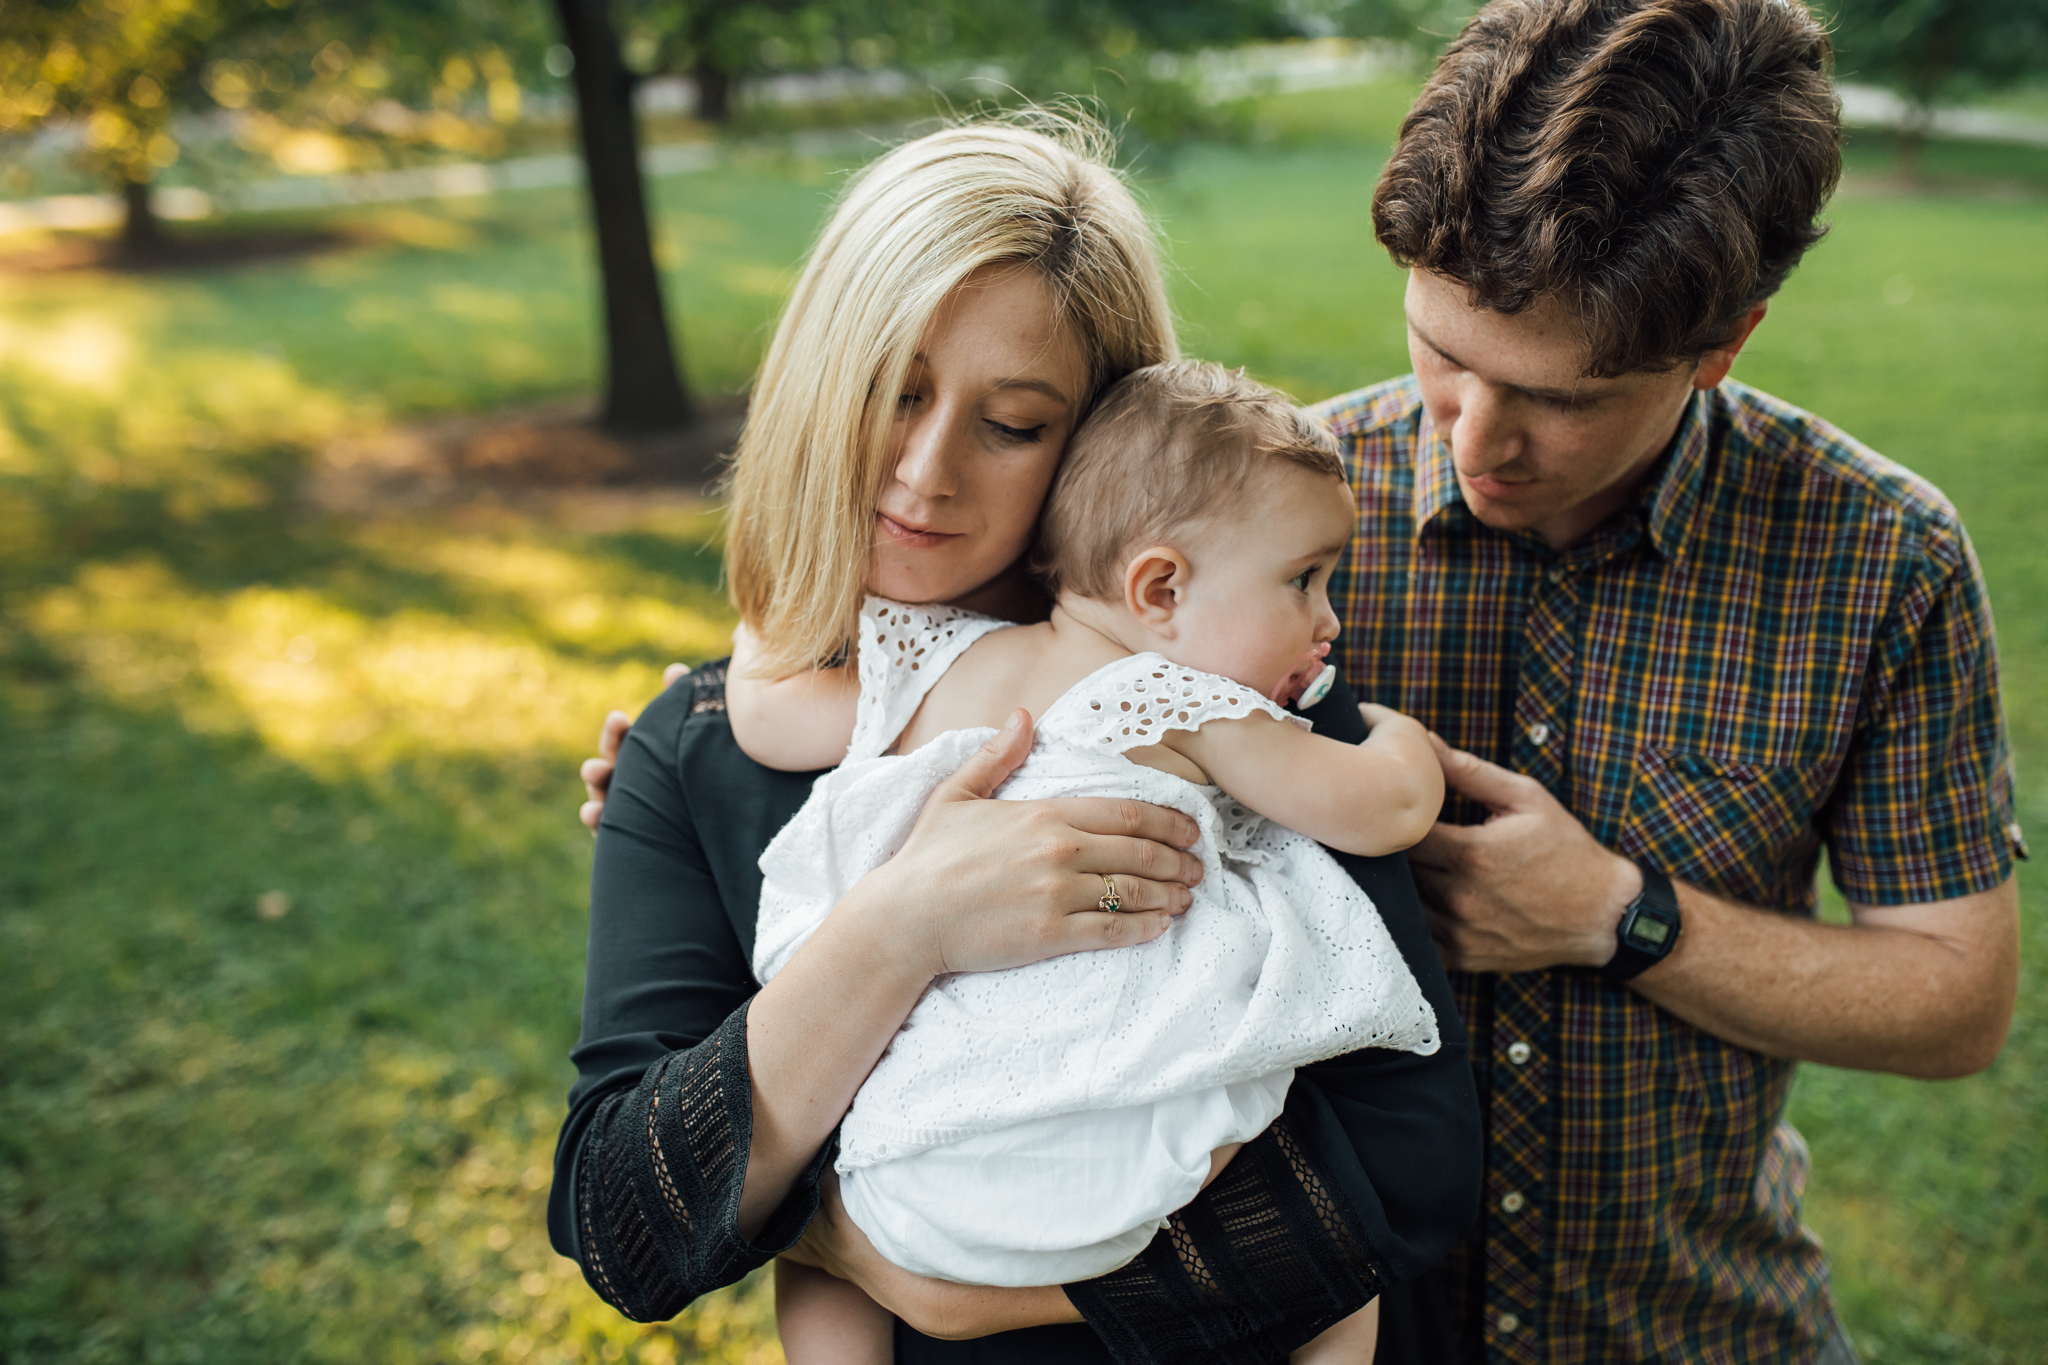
point(973, 292)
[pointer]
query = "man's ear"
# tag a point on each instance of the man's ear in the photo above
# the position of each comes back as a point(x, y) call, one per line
point(1715, 364)
point(1154, 580)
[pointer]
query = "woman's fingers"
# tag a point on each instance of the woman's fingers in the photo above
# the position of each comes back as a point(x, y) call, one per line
point(1136, 894)
point(1133, 819)
point(991, 765)
point(1106, 853)
point(1095, 929)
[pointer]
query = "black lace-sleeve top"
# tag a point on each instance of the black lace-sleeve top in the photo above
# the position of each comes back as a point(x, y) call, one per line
point(1367, 1179)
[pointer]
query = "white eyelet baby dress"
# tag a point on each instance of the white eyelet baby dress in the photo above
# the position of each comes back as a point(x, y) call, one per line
point(1038, 1125)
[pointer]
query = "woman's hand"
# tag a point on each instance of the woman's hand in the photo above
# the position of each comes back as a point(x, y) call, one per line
point(597, 772)
point(937, 1308)
point(979, 885)
point(982, 884)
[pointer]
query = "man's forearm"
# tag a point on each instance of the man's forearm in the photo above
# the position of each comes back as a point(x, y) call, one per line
point(1923, 990)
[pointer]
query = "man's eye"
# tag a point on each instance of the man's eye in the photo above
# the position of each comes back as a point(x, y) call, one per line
point(1569, 404)
point(1022, 435)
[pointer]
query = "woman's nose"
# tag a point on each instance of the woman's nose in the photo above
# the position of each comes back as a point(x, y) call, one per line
point(927, 465)
point(1485, 435)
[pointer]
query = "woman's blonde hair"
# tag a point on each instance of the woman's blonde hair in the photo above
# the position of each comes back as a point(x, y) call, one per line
point(1034, 191)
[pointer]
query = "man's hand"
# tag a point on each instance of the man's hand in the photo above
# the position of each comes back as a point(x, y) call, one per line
point(597, 772)
point(1530, 888)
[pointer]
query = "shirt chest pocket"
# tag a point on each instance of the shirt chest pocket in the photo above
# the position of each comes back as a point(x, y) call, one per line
point(1746, 830)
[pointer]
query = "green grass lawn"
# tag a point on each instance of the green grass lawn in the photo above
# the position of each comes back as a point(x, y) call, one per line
point(291, 892)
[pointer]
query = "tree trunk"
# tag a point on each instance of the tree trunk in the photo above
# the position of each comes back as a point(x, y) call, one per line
point(142, 232)
point(714, 92)
point(643, 386)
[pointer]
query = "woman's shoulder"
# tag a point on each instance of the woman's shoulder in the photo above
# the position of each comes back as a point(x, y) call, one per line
point(686, 714)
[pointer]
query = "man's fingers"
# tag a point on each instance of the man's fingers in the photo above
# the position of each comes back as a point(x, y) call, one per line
point(613, 733)
point(1135, 819)
point(1441, 848)
point(991, 764)
point(590, 813)
point(1136, 894)
point(597, 775)
point(1487, 783)
point(673, 674)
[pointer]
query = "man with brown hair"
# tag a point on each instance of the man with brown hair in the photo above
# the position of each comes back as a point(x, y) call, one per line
point(1677, 637)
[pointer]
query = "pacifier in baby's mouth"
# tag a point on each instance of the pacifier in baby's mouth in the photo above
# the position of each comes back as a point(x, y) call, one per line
point(1310, 681)
point(1318, 689)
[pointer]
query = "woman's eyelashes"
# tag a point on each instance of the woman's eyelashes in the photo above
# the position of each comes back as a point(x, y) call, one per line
point(1015, 435)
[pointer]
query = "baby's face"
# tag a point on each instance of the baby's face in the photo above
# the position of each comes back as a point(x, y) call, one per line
point(1257, 601)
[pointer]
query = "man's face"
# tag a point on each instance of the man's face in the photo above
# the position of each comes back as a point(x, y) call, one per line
point(1539, 447)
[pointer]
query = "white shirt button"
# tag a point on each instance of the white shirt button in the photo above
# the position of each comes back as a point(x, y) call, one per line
point(1539, 734)
point(1512, 1202)
point(1518, 1052)
point(1556, 574)
point(1507, 1322)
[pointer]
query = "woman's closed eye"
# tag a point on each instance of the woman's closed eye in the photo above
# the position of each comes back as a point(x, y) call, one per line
point(1018, 435)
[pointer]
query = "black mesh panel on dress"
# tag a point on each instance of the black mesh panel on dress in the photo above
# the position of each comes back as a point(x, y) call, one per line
point(661, 1172)
point(1263, 1260)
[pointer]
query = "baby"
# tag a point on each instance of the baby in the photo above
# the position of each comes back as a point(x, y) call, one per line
point(1039, 1125)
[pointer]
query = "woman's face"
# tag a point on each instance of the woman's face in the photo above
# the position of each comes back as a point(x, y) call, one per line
point(991, 398)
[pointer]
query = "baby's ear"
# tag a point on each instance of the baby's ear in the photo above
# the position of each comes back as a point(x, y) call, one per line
point(1154, 580)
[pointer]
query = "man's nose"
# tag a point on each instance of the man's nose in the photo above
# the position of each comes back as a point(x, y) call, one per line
point(1485, 436)
point(929, 464)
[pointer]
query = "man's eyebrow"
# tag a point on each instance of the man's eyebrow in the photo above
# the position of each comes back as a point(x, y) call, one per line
point(1044, 386)
point(1533, 391)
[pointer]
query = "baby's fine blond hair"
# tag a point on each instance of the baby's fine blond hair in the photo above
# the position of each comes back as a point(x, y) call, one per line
point(1162, 451)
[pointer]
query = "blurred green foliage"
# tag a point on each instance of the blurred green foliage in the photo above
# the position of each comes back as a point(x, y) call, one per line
point(291, 893)
point(1933, 51)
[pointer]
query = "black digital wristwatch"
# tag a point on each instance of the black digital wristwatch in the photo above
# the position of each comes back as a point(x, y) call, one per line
point(1648, 930)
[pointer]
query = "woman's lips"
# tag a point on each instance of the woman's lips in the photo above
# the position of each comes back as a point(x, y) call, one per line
point(914, 537)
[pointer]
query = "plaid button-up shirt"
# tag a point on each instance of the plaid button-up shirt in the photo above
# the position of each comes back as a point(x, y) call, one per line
point(1784, 646)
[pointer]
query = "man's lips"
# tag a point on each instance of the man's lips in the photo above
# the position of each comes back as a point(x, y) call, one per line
point(1487, 486)
point(915, 537)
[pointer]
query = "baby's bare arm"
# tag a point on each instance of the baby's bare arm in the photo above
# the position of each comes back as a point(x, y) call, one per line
point(794, 724)
point(826, 1321)
point(1351, 1342)
point(1372, 798)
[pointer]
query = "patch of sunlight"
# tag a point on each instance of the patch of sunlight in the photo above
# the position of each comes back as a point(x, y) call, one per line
point(479, 305)
point(410, 227)
point(765, 281)
point(581, 604)
point(339, 689)
point(84, 350)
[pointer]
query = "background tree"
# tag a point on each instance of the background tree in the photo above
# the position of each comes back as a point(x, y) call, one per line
point(644, 389)
point(1933, 51)
point(119, 67)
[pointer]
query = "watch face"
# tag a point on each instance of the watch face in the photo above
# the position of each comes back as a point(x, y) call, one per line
point(1650, 933)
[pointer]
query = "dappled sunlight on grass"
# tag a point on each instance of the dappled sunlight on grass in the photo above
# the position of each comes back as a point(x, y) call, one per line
point(504, 644)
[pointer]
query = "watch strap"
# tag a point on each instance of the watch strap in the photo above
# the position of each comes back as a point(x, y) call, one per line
point(1658, 902)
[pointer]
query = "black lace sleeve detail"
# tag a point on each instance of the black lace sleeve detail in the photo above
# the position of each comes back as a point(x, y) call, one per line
point(659, 1181)
point(1260, 1263)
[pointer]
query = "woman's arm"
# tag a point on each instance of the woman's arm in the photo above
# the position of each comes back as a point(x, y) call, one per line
point(1369, 798)
point(699, 1124)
